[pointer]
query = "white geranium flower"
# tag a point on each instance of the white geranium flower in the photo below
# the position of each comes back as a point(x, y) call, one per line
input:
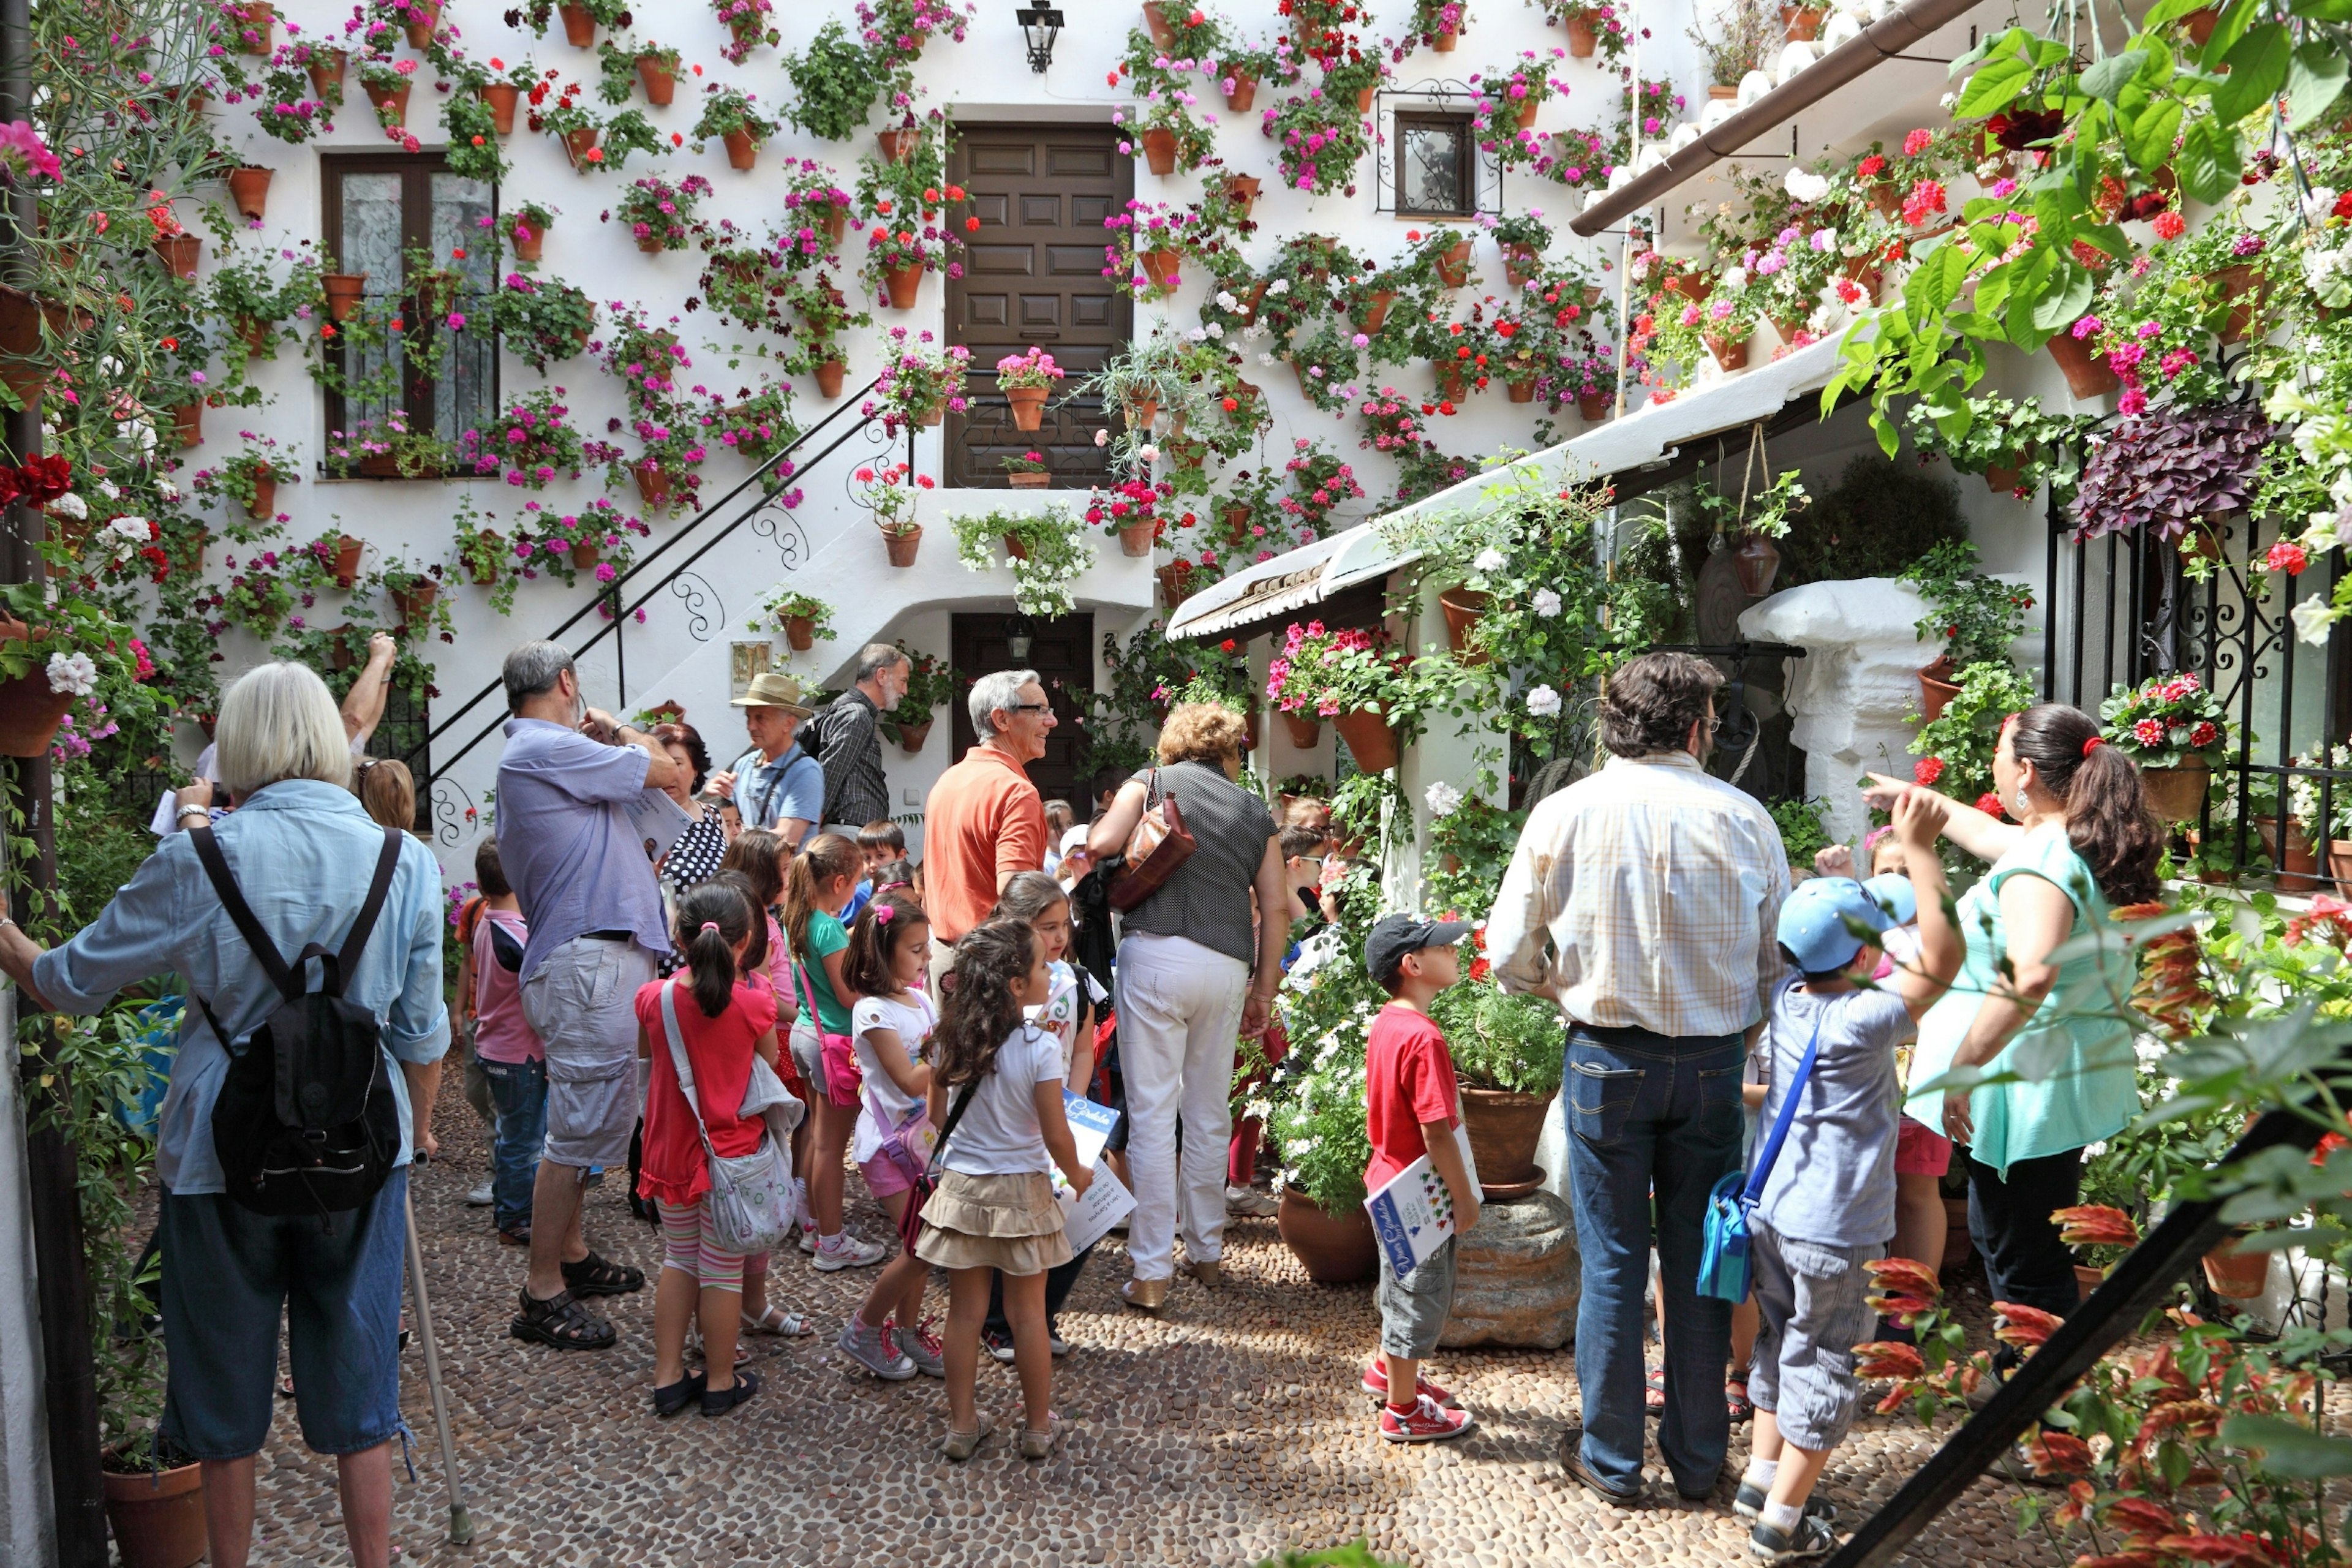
point(1735, 277)
point(1804, 188)
point(73, 674)
point(1443, 799)
point(1490, 559)
point(1546, 603)
point(125, 537)
point(2312, 618)
point(1197, 335)
point(1226, 301)
point(169, 490)
point(1279, 286)
point(70, 505)
point(1214, 331)
point(110, 489)
point(1543, 702)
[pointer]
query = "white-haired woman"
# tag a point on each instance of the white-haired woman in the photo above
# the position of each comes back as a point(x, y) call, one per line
point(302, 851)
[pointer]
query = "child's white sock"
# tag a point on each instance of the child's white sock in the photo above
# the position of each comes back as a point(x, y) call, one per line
point(830, 1243)
point(1760, 1473)
point(1783, 1518)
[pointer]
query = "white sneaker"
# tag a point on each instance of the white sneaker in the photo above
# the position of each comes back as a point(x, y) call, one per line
point(848, 1252)
point(482, 1197)
point(1250, 1200)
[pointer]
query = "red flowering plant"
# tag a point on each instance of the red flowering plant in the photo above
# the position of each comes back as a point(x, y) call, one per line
point(2168, 722)
point(1954, 750)
point(1321, 673)
point(888, 494)
point(1131, 504)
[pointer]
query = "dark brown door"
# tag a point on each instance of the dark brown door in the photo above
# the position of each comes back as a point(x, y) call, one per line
point(1062, 653)
point(1033, 277)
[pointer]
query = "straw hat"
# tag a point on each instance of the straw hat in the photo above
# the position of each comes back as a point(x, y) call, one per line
point(773, 691)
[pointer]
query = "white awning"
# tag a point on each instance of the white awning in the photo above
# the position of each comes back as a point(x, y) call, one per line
point(1313, 573)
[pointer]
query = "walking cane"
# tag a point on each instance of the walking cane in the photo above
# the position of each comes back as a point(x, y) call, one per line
point(461, 1523)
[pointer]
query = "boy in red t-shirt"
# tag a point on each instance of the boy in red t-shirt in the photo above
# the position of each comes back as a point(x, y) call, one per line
point(1410, 1110)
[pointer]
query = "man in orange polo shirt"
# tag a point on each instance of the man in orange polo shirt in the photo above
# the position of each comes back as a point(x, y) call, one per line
point(984, 821)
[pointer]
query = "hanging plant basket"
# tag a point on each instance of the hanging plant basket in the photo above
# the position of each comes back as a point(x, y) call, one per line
point(501, 98)
point(578, 144)
point(652, 482)
point(742, 152)
point(423, 16)
point(260, 18)
point(344, 291)
point(2176, 795)
point(1757, 561)
point(248, 188)
point(1450, 380)
point(1371, 739)
point(1522, 388)
point(901, 544)
point(180, 252)
point(1583, 40)
point(579, 25)
point(1159, 150)
point(414, 602)
point(1028, 406)
point(327, 67)
point(800, 633)
point(912, 736)
point(1306, 731)
point(1464, 607)
point(2002, 478)
point(2088, 375)
point(188, 424)
point(828, 378)
point(834, 220)
point(1936, 690)
point(658, 81)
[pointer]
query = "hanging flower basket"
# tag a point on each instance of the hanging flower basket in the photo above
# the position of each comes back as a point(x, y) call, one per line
point(904, 283)
point(2088, 375)
point(415, 601)
point(1159, 150)
point(501, 97)
point(180, 252)
point(1160, 266)
point(1371, 739)
point(1243, 95)
point(344, 289)
point(1453, 266)
point(912, 736)
point(1306, 731)
point(327, 67)
point(901, 544)
point(1757, 561)
point(828, 378)
point(248, 188)
point(531, 244)
point(1175, 583)
point(1594, 407)
point(392, 98)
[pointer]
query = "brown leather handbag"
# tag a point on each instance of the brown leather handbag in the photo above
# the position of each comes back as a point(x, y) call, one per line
point(1159, 845)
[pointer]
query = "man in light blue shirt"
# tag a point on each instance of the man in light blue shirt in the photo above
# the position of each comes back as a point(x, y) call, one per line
point(775, 785)
point(566, 782)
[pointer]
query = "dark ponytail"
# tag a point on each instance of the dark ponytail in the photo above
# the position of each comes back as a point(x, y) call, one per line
point(711, 918)
point(2108, 817)
point(980, 1011)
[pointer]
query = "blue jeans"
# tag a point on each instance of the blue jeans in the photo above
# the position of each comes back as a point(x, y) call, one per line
point(518, 1089)
point(1653, 1121)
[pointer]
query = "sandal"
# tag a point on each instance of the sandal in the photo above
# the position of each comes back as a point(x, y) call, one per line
point(1734, 1398)
point(561, 1322)
point(777, 1322)
point(961, 1446)
point(668, 1402)
point(719, 1401)
point(1653, 1394)
point(593, 1276)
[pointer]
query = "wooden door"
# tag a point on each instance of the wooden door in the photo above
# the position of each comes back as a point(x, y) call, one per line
point(1033, 277)
point(1062, 653)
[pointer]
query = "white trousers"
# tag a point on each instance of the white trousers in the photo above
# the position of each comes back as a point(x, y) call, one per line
point(1180, 1013)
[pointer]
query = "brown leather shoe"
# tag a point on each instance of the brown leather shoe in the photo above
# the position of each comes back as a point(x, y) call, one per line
point(1572, 1459)
point(1145, 1295)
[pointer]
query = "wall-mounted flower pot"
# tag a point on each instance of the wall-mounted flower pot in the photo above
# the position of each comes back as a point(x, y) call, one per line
point(327, 67)
point(486, 571)
point(1028, 406)
point(1935, 692)
point(1520, 263)
point(1184, 453)
point(1159, 150)
point(904, 283)
point(1176, 586)
point(157, 1517)
point(259, 18)
point(652, 483)
point(1453, 266)
point(901, 545)
point(1155, 20)
point(1028, 481)
point(1014, 548)
point(1522, 389)
point(650, 243)
point(1594, 407)
point(834, 220)
point(1757, 561)
point(392, 98)
point(344, 291)
point(338, 647)
point(24, 366)
point(1583, 39)
point(2296, 860)
point(1243, 95)
point(253, 333)
point(1730, 354)
point(529, 244)
point(1141, 413)
point(579, 25)
point(1800, 25)
point(1463, 607)
point(1527, 108)
point(829, 376)
point(2241, 1276)
point(188, 424)
point(2176, 793)
point(423, 16)
point(264, 496)
point(346, 568)
point(1371, 739)
point(2088, 374)
point(2004, 478)
point(800, 633)
point(248, 188)
point(1305, 731)
point(2200, 24)
point(1504, 1128)
point(180, 252)
point(1449, 381)
point(931, 415)
point(2244, 292)
point(912, 736)
point(501, 97)
point(1887, 197)
point(899, 146)
point(1162, 266)
point(578, 144)
point(586, 554)
point(1443, 40)
point(1135, 540)
point(742, 152)
point(30, 711)
point(414, 602)
point(1334, 1249)
point(658, 81)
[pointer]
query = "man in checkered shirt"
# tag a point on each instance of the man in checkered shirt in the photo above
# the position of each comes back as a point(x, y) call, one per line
point(1643, 901)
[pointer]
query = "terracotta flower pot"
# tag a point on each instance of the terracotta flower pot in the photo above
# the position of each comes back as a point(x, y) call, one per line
point(1160, 266)
point(1504, 1128)
point(180, 252)
point(1527, 108)
point(912, 736)
point(1014, 548)
point(2244, 293)
point(1155, 21)
point(1799, 25)
point(1159, 150)
point(1443, 40)
point(1520, 263)
point(2176, 795)
point(1453, 266)
point(394, 98)
point(414, 602)
point(2241, 1276)
point(327, 67)
point(904, 283)
point(1364, 99)
point(1522, 389)
point(501, 97)
point(901, 547)
point(1029, 481)
point(1243, 95)
point(586, 554)
point(494, 546)
point(2296, 860)
point(157, 1517)
point(423, 16)
point(2088, 374)
point(2088, 1279)
point(1176, 586)
point(899, 146)
point(834, 220)
point(658, 81)
point(1935, 692)
point(1757, 561)
point(742, 152)
point(344, 289)
point(2200, 24)
point(346, 568)
point(1141, 413)
point(1885, 196)
point(1306, 731)
point(1583, 40)
point(650, 244)
point(1691, 286)
point(248, 188)
point(258, 17)
point(578, 144)
point(1449, 381)
point(1594, 407)
point(529, 248)
point(1377, 312)
point(1028, 406)
point(2002, 480)
point(253, 333)
point(828, 378)
point(652, 483)
point(579, 27)
point(1334, 1249)
point(188, 424)
point(265, 498)
point(800, 633)
point(1731, 353)
point(1371, 738)
point(1135, 540)
point(934, 414)
point(1463, 608)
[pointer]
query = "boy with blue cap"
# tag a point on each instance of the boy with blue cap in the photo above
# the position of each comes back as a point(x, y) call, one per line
point(1828, 1206)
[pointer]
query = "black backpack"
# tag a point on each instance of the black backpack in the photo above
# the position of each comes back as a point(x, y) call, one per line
point(306, 1123)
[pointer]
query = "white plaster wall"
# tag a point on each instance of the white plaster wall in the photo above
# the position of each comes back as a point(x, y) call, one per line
point(28, 1522)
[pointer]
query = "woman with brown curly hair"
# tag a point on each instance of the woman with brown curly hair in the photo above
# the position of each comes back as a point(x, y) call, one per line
point(1186, 961)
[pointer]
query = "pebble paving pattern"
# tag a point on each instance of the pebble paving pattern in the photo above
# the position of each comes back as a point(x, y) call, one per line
point(1220, 1433)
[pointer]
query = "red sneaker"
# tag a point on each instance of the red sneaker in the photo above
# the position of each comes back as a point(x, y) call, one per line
point(1376, 1384)
point(1429, 1423)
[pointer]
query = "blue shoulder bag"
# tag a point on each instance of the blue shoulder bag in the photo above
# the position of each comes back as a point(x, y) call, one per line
point(1723, 1265)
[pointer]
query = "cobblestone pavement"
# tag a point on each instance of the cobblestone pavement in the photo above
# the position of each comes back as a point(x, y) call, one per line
point(1221, 1433)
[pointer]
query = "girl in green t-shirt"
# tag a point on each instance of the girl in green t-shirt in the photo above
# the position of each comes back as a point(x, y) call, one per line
point(818, 887)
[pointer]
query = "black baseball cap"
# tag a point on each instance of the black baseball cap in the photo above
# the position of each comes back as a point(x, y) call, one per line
point(1396, 935)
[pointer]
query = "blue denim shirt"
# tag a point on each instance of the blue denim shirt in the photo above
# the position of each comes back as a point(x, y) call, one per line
point(565, 840)
point(303, 852)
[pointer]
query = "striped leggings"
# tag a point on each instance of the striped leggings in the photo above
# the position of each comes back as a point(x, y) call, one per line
point(688, 1247)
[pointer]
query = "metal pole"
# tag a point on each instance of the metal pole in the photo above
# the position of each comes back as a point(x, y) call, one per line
point(461, 1523)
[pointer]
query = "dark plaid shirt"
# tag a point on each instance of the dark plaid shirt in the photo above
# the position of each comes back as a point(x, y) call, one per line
point(855, 793)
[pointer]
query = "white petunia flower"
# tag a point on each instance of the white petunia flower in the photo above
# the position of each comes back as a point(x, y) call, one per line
point(1443, 799)
point(2312, 618)
point(1490, 559)
point(73, 674)
point(1543, 702)
point(1546, 603)
point(1226, 301)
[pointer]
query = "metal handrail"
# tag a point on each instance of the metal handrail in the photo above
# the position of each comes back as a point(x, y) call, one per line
point(612, 593)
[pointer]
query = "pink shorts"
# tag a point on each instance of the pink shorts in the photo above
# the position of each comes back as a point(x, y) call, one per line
point(1920, 1150)
point(883, 1177)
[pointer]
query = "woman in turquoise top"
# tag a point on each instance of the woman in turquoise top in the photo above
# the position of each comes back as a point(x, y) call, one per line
point(2081, 841)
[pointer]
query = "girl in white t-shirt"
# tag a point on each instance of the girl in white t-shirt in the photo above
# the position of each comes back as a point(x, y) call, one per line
point(995, 1208)
point(889, 1027)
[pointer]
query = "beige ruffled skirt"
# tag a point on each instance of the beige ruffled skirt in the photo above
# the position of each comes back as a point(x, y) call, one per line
point(993, 1222)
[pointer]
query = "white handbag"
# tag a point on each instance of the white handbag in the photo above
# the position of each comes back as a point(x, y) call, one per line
point(751, 1197)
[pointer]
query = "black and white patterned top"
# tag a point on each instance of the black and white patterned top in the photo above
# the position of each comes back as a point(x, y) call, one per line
point(692, 860)
point(1208, 898)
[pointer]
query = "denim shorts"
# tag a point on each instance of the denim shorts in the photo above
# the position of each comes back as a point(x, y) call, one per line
point(1414, 1307)
point(227, 1274)
point(583, 1002)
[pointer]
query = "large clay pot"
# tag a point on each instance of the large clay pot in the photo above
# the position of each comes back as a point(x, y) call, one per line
point(828, 378)
point(1334, 1249)
point(901, 546)
point(1504, 1128)
point(1935, 692)
point(157, 1517)
point(912, 736)
point(904, 283)
point(347, 561)
point(180, 252)
point(1028, 406)
point(579, 27)
point(248, 188)
point(742, 152)
point(2175, 794)
point(2088, 374)
point(1135, 540)
point(2241, 1276)
point(501, 97)
point(1159, 150)
point(658, 81)
point(1305, 733)
point(1463, 607)
point(1372, 740)
point(1582, 39)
